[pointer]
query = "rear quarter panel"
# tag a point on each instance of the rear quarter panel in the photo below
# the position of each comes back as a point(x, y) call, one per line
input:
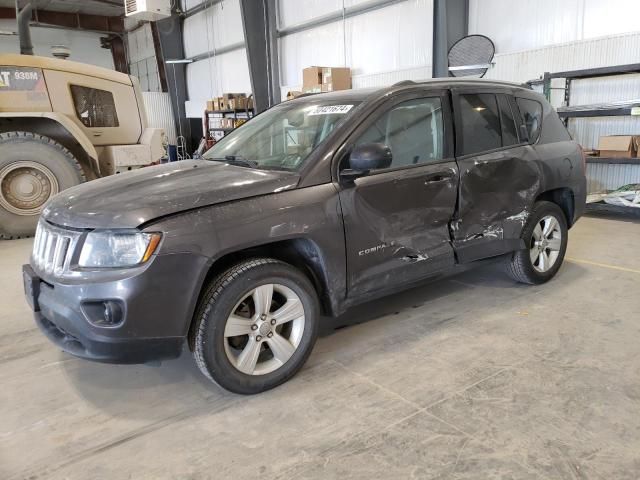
point(560, 158)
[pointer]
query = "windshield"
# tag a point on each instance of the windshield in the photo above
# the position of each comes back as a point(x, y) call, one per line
point(282, 137)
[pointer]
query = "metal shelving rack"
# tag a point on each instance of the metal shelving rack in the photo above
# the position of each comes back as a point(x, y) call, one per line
point(568, 111)
point(236, 114)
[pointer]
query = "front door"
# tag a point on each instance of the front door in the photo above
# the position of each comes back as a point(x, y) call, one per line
point(397, 219)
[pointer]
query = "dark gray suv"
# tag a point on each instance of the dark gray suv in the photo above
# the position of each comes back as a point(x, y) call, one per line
point(313, 206)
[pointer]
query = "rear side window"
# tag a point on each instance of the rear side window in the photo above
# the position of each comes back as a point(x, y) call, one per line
point(480, 123)
point(95, 108)
point(509, 132)
point(531, 112)
point(412, 129)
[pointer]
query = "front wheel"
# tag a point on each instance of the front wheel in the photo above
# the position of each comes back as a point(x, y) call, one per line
point(545, 236)
point(255, 326)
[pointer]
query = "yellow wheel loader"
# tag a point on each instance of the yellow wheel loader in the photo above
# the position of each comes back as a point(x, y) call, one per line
point(63, 123)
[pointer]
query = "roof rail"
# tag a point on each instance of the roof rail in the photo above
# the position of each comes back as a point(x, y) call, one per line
point(404, 83)
point(307, 94)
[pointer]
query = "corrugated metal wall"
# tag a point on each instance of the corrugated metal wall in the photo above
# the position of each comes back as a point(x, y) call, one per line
point(602, 176)
point(160, 113)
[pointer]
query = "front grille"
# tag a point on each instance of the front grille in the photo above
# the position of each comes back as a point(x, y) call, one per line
point(53, 248)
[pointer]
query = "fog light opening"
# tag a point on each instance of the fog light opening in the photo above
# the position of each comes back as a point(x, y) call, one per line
point(104, 313)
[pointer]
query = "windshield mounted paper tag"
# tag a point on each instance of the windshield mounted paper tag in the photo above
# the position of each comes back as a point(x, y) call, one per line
point(331, 110)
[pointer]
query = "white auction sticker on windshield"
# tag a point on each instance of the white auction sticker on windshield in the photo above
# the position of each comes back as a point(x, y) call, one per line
point(331, 110)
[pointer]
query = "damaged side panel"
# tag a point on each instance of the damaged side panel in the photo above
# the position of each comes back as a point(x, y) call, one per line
point(396, 226)
point(496, 193)
point(304, 222)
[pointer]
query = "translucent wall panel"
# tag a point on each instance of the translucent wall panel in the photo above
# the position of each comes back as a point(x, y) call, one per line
point(213, 28)
point(209, 78)
point(516, 25)
point(291, 12)
point(388, 39)
point(607, 17)
point(142, 58)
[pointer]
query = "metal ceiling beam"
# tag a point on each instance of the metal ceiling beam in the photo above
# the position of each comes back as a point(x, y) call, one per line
point(200, 7)
point(218, 51)
point(75, 21)
point(261, 39)
point(349, 12)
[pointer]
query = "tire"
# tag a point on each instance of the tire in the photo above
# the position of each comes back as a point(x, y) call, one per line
point(527, 266)
point(34, 162)
point(222, 356)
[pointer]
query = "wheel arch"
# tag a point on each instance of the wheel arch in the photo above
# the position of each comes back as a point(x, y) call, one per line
point(564, 198)
point(299, 252)
point(59, 128)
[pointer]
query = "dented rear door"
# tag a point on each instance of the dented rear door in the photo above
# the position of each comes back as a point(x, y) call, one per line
point(499, 174)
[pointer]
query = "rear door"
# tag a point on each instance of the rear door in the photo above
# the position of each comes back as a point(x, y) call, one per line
point(498, 174)
point(396, 219)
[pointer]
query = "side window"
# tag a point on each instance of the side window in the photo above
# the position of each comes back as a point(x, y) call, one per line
point(95, 108)
point(413, 130)
point(480, 123)
point(509, 132)
point(531, 112)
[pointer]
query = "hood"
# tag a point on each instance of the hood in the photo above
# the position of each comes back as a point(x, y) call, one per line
point(130, 199)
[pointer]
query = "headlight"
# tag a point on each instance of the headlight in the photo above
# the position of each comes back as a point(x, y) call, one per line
point(117, 249)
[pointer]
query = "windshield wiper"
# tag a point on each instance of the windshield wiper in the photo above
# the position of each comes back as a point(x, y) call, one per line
point(237, 160)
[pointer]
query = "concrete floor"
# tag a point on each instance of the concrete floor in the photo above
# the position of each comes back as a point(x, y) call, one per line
point(474, 377)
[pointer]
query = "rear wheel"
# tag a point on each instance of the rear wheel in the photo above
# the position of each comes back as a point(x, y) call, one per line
point(255, 326)
point(33, 168)
point(545, 236)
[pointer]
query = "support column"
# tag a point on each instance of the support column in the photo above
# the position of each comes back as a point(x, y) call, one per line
point(261, 40)
point(450, 24)
point(171, 45)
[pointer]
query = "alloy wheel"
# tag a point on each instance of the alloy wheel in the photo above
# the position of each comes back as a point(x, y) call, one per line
point(546, 242)
point(264, 329)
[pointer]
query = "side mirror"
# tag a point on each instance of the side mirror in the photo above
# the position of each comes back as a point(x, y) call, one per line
point(364, 158)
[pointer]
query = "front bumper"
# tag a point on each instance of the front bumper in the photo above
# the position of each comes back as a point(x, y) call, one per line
point(108, 350)
point(157, 308)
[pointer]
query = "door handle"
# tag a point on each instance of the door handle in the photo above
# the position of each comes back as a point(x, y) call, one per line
point(438, 177)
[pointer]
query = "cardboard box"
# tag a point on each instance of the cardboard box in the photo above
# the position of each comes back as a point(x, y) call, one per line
point(236, 103)
point(215, 104)
point(327, 79)
point(293, 94)
point(619, 146)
